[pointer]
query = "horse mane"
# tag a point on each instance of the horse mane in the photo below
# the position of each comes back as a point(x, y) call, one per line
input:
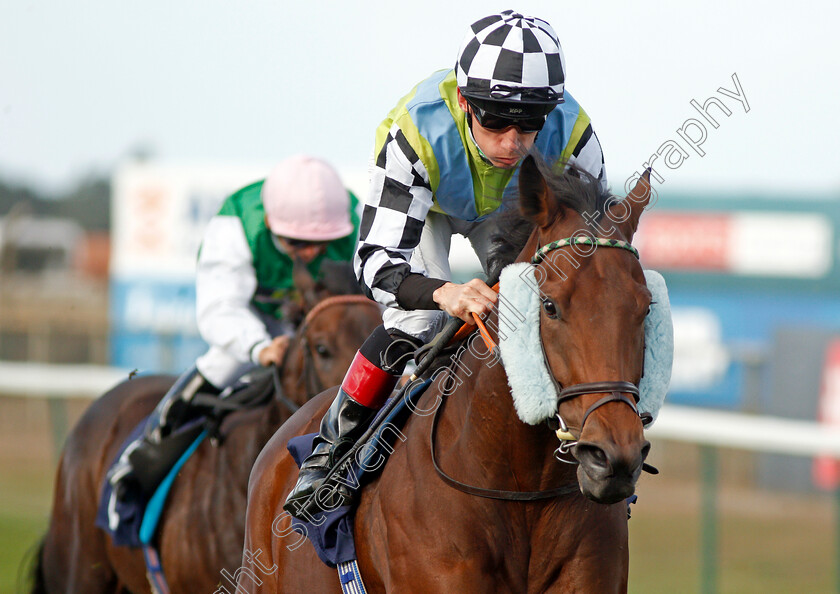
point(573, 188)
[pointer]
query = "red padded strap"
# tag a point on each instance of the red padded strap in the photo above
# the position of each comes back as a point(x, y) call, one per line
point(366, 383)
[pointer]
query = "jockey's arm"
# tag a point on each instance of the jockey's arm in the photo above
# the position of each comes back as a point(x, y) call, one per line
point(589, 156)
point(395, 210)
point(225, 284)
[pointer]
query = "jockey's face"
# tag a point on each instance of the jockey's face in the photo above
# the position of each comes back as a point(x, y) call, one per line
point(504, 148)
point(306, 252)
point(301, 250)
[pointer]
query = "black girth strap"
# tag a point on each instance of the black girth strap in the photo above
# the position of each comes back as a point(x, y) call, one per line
point(492, 493)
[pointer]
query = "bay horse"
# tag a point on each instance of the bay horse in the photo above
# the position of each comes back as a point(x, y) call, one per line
point(416, 533)
point(201, 530)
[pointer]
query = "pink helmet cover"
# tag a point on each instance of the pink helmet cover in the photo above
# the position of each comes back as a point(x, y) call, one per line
point(304, 199)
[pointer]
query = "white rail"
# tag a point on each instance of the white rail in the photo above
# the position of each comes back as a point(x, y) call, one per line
point(677, 423)
point(742, 431)
point(58, 381)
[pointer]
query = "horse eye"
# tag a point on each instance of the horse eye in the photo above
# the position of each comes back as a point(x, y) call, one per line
point(322, 350)
point(550, 308)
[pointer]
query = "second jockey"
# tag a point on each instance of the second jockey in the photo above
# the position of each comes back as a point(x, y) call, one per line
point(300, 212)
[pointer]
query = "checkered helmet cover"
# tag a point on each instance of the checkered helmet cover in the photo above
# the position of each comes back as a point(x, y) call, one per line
point(512, 58)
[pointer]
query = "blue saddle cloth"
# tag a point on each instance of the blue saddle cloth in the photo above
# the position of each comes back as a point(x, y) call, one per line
point(132, 518)
point(331, 532)
point(121, 517)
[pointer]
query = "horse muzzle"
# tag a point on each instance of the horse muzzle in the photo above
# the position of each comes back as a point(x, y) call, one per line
point(608, 473)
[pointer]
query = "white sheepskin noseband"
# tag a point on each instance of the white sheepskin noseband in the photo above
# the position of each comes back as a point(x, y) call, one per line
point(534, 396)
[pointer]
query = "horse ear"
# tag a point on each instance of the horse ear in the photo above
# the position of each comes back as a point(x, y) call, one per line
point(535, 201)
point(626, 213)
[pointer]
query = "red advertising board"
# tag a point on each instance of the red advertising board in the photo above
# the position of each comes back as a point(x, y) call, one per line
point(826, 470)
point(693, 241)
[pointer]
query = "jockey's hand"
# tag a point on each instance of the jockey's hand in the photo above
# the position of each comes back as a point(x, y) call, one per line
point(462, 300)
point(274, 353)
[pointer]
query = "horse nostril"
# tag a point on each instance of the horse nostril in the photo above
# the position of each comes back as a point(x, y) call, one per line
point(645, 450)
point(592, 456)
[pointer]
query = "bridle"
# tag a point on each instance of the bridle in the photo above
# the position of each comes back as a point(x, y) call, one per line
point(616, 390)
point(313, 383)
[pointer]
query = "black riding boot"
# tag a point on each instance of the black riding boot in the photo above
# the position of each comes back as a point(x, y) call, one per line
point(172, 411)
point(362, 393)
point(149, 460)
point(345, 421)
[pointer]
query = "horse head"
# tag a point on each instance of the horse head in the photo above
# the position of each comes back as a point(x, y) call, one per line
point(591, 322)
point(326, 342)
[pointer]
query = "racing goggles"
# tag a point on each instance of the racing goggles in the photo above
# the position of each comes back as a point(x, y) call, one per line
point(301, 243)
point(528, 124)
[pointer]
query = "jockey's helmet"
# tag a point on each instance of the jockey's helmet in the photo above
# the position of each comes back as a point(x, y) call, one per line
point(511, 66)
point(304, 199)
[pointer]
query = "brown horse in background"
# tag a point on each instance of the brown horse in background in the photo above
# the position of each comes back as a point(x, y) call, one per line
point(416, 533)
point(202, 527)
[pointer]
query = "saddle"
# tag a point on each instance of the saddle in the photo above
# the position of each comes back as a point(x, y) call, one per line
point(138, 481)
point(206, 413)
point(331, 531)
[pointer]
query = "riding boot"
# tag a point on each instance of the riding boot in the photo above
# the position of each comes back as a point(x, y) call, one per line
point(362, 393)
point(148, 459)
point(173, 409)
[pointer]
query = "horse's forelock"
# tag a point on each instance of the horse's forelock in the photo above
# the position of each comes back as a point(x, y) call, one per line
point(572, 189)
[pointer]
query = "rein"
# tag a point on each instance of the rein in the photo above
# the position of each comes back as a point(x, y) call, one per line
point(279, 393)
point(247, 399)
point(491, 493)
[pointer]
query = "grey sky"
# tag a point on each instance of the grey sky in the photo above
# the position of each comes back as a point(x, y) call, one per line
point(221, 81)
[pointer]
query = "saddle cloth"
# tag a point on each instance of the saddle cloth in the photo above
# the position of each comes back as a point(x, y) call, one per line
point(131, 516)
point(331, 532)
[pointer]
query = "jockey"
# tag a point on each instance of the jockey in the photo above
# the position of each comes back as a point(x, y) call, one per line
point(443, 160)
point(302, 212)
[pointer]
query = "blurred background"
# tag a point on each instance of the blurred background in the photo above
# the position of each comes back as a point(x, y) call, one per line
point(124, 125)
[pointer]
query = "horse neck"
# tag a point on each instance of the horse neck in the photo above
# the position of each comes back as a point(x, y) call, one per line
point(503, 452)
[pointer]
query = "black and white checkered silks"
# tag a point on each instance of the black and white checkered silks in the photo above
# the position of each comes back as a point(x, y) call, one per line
point(398, 203)
point(507, 51)
point(400, 190)
point(400, 197)
point(398, 215)
point(589, 156)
